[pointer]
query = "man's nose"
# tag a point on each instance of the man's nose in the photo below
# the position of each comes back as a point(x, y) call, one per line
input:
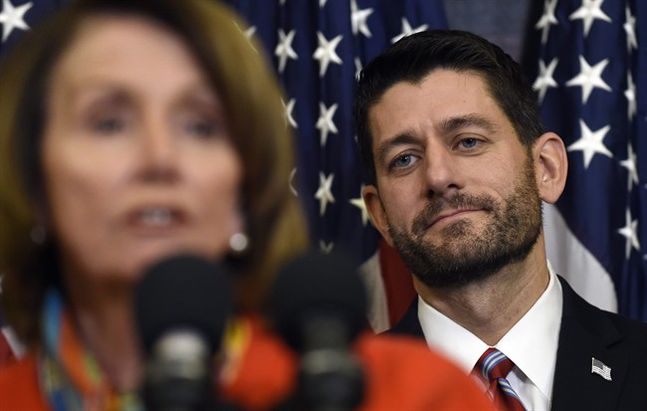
point(441, 171)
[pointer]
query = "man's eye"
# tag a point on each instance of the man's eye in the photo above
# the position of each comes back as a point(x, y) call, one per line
point(468, 143)
point(402, 161)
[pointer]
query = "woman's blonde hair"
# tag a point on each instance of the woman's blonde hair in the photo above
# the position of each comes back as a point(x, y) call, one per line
point(248, 89)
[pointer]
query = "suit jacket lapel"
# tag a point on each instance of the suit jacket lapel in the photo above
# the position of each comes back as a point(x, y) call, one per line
point(409, 324)
point(585, 334)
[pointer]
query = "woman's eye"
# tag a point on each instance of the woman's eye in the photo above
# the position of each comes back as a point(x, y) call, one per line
point(202, 127)
point(109, 125)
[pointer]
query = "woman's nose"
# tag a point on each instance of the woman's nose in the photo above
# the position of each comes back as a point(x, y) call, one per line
point(159, 153)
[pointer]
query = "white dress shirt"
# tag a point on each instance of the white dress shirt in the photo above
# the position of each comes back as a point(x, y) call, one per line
point(531, 344)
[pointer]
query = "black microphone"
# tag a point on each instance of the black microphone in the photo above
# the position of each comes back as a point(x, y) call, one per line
point(318, 305)
point(181, 308)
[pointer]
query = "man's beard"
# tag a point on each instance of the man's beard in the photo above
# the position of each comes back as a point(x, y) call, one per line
point(466, 255)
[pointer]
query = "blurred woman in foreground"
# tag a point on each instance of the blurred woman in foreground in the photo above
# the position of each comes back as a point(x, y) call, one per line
point(131, 131)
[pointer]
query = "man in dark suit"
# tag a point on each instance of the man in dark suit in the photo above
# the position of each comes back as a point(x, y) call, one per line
point(458, 164)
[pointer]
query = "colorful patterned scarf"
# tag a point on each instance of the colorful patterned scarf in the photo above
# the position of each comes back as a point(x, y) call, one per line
point(69, 374)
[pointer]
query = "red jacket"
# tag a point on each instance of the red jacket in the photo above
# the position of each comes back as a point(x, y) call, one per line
point(401, 374)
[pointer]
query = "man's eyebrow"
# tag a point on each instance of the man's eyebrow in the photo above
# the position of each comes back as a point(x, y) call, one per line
point(401, 139)
point(453, 124)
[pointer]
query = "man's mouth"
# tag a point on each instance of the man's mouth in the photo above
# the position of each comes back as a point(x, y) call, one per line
point(449, 214)
point(439, 210)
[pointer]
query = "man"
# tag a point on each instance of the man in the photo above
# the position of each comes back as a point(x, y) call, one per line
point(457, 164)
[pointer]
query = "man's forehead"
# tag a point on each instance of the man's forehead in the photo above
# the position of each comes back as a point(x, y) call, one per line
point(439, 76)
point(441, 92)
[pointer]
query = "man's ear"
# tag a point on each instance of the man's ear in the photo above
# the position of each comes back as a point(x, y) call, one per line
point(376, 211)
point(551, 166)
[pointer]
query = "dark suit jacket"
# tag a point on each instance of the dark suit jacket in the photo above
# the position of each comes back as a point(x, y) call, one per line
point(586, 332)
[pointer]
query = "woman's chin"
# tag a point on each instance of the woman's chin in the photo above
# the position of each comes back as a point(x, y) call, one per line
point(124, 266)
point(142, 262)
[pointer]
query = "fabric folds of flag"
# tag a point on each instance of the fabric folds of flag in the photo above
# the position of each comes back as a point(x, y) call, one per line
point(591, 81)
point(318, 48)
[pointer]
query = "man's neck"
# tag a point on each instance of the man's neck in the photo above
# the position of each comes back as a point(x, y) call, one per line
point(491, 307)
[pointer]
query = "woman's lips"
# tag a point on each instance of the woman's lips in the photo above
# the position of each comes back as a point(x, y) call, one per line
point(156, 219)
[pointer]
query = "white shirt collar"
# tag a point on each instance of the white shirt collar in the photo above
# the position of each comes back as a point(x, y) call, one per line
point(531, 343)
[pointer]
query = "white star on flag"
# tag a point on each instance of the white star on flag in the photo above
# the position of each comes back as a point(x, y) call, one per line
point(589, 78)
point(630, 94)
point(326, 53)
point(288, 113)
point(590, 143)
point(250, 32)
point(547, 19)
point(630, 165)
point(325, 123)
point(13, 18)
point(293, 173)
point(407, 30)
point(545, 78)
point(630, 232)
point(358, 19)
point(325, 247)
point(322, 3)
point(358, 67)
point(324, 192)
point(589, 11)
point(630, 29)
point(284, 49)
point(359, 203)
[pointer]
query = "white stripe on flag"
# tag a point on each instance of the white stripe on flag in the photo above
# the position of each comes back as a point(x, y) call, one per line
point(12, 339)
point(378, 310)
point(570, 259)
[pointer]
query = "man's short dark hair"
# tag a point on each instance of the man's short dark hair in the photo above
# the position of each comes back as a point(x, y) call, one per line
point(415, 56)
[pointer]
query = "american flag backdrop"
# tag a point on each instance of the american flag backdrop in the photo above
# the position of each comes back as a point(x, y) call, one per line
point(591, 77)
point(591, 80)
point(317, 48)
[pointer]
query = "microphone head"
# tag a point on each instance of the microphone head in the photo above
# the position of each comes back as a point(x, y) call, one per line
point(183, 292)
point(314, 286)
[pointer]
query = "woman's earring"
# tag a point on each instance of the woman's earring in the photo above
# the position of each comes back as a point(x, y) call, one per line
point(238, 243)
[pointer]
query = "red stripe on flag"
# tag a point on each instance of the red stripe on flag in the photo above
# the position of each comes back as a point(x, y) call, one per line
point(6, 353)
point(397, 282)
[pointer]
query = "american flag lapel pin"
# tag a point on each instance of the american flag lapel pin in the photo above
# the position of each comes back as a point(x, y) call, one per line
point(600, 368)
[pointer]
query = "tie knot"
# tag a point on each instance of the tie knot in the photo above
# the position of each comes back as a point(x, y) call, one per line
point(493, 364)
